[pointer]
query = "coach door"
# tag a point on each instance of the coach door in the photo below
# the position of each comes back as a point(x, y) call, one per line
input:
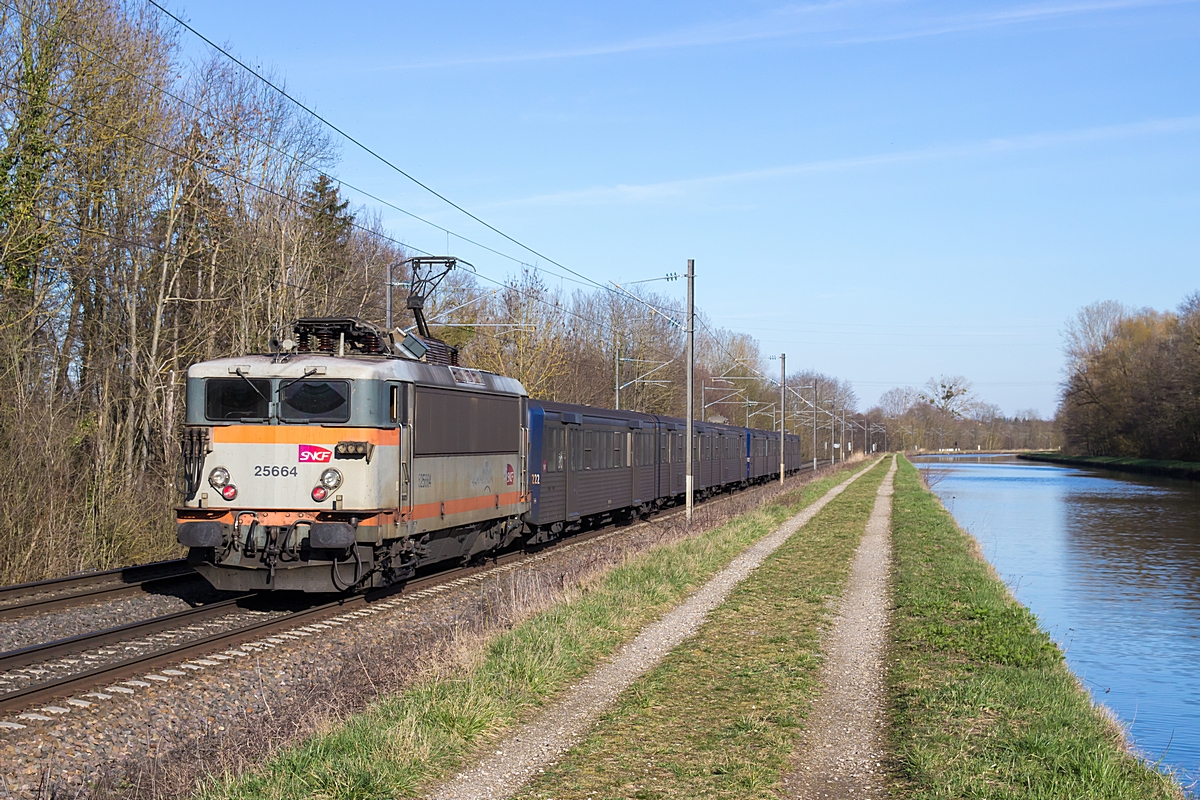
point(574, 463)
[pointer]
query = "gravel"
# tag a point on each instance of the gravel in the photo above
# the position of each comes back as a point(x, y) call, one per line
point(843, 752)
point(155, 737)
point(534, 746)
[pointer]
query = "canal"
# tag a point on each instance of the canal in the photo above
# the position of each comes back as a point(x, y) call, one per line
point(1110, 563)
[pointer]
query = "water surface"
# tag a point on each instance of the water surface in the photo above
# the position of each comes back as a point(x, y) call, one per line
point(1110, 564)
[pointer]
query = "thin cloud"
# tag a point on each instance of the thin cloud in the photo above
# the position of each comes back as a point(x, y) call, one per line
point(791, 21)
point(780, 23)
point(641, 193)
point(1016, 16)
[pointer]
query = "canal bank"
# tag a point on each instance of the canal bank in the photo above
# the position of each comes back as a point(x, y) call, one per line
point(1110, 565)
point(1183, 470)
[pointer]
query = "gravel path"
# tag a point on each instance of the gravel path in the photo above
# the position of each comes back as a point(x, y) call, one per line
point(536, 745)
point(842, 753)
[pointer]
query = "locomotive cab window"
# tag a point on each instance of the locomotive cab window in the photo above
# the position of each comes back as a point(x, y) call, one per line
point(237, 399)
point(398, 403)
point(314, 401)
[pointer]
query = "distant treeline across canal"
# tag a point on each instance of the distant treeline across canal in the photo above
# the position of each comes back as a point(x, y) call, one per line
point(1186, 470)
point(1131, 386)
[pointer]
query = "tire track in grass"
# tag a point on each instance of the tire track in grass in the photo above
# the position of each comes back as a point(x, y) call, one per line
point(534, 748)
point(844, 751)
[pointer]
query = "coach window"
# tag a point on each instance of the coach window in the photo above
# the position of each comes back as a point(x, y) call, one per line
point(589, 449)
point(557, 436)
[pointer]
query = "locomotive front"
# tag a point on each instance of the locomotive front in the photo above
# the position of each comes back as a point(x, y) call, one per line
point(299, 469)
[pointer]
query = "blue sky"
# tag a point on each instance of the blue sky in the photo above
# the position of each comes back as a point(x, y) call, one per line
point(886, 190)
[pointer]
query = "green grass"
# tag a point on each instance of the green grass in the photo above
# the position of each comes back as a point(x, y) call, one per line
point(407, 742)
point(1187, 470)
point(721, 715)
point(983, 703)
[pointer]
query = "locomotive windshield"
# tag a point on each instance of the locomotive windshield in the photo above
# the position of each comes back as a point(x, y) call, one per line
point(315, 401)
point(237, 398)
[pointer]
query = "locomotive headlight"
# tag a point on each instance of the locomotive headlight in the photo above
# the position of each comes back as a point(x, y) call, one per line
point(218, 478)
point(331, 479)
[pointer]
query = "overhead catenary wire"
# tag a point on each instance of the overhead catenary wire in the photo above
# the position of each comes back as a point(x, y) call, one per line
point(309, 166)
point(290, 198)
point(280, 195)
point(376, 155)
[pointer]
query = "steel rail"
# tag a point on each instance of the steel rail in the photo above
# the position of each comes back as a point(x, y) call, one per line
point(33, 695)
point(93, 585)
point(39, 653)
point(50, 690)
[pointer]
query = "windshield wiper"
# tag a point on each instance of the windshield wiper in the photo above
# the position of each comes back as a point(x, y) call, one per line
point(250, 383)
point(284, 384)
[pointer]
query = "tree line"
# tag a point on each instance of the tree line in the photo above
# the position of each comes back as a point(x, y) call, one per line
point(157, 211)
point(947, 414)
point(1133, 382)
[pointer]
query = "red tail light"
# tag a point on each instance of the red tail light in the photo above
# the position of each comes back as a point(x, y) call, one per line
point(319, 493)
point(229, 491)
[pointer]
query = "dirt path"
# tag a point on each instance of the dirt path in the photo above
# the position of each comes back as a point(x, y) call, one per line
point(538, 744)
point(842, 752)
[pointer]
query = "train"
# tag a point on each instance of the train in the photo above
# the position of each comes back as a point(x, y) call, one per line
point(346, 460)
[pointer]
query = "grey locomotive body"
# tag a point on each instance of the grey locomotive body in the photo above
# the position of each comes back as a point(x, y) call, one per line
point(337, 467)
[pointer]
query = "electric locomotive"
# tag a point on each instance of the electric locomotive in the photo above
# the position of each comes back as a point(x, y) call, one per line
point(341, 462)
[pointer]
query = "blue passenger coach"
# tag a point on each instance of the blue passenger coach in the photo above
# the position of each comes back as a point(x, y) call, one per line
point(588, 465)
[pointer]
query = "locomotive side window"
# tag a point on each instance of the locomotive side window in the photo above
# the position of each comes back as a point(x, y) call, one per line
point(236, 398)
point(315, 401)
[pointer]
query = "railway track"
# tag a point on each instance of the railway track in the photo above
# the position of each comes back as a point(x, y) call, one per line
point(56, 593)
point(210, 650)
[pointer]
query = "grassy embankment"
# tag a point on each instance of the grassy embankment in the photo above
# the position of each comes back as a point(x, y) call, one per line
point(1187, 470)
point(983, 703)
point(722, 714)
point(407, 742)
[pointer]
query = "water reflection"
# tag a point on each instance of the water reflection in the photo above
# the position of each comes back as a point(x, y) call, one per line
point(1110, 563)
